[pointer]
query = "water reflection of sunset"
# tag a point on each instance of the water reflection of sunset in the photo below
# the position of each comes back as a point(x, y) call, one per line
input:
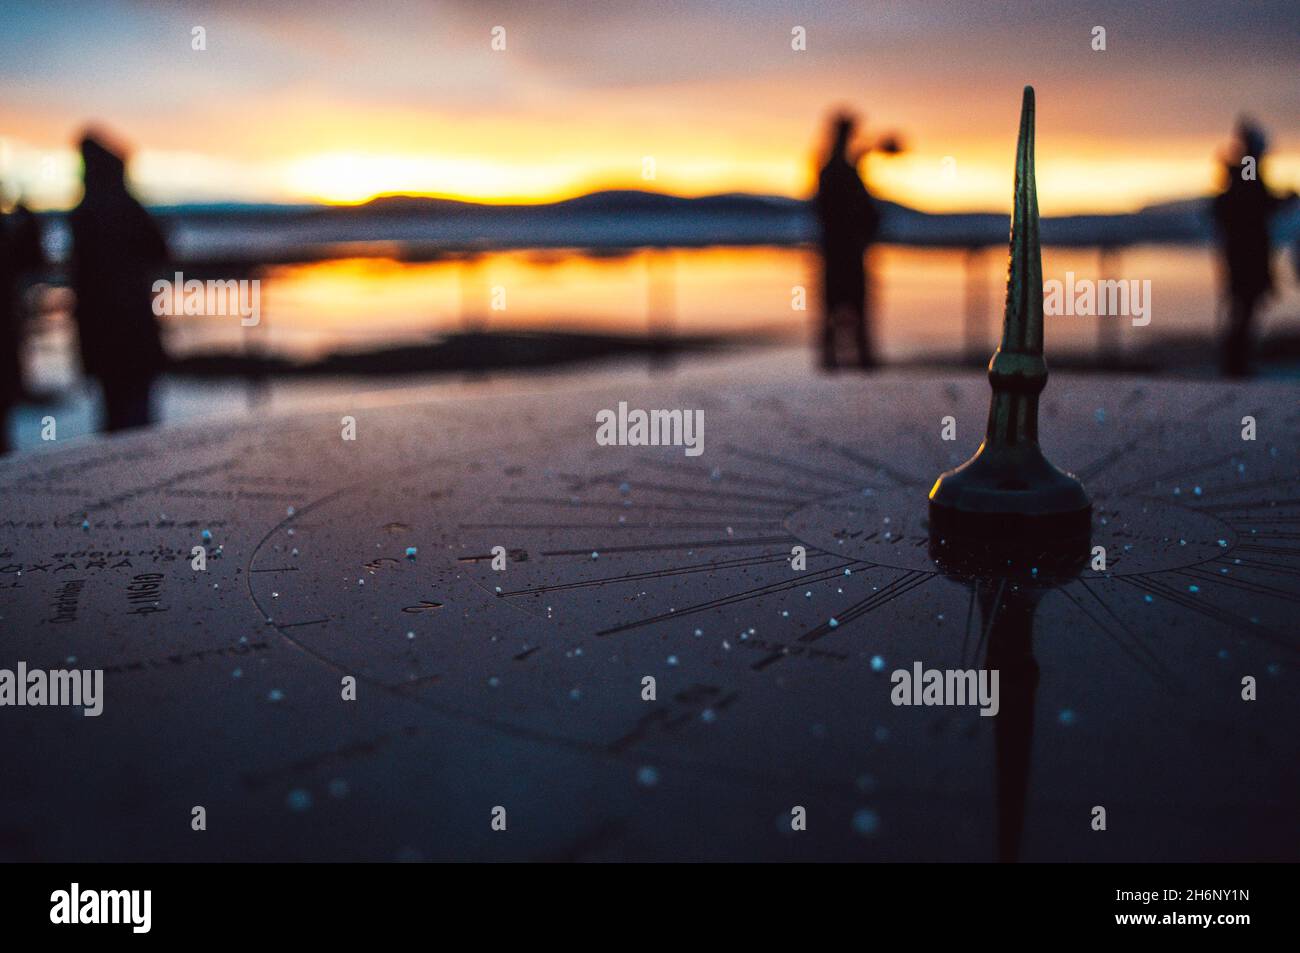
point(311, 309)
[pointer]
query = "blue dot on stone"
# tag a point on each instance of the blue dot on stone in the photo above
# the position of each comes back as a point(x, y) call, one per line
point(866, 822)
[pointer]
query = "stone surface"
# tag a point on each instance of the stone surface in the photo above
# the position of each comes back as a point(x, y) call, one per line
point(523, 688)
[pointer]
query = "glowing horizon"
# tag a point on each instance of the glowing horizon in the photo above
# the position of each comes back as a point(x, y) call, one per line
point(1069, 183)
point(288, 105)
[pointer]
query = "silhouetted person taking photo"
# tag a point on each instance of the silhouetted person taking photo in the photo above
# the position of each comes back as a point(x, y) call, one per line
point(849, 224)
point(117, 250)
point(1242, 213)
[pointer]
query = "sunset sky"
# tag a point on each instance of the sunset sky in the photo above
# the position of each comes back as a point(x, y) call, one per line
point(340, 101)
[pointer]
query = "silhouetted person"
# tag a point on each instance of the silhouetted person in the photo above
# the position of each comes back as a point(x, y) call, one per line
point(10, 333)
point(117, 250)
point(25, 232)
point(849, 223)
point(29, 263)
point(21, 262)
point(1242, 213)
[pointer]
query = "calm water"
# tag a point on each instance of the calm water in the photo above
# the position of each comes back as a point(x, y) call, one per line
point(922, 298)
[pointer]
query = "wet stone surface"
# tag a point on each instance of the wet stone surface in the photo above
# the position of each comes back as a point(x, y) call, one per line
point(522, 687)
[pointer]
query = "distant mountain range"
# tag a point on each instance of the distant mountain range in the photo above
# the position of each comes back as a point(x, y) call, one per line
point(416, 226)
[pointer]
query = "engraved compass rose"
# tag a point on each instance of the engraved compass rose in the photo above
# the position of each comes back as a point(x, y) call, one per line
point(768, 588)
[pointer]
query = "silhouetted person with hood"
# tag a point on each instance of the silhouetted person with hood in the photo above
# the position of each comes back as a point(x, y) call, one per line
point(21, 262)
point(1242, 213)
point(849, 223)
point(117, 250)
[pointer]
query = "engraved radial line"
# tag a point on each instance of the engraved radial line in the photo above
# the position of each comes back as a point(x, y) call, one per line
point(1254, 520)
point(691, 491)
point(901, 585)
point(469, 715)
point(970, 621)
point(1165, 591)
point(898, 476)
point(1105, 630)
point(1094, 469)
point(745, 596)
point(730, 476)
point(656, 574)
point(620, 527)
point(796, 467)
point(1271, 550)
point(659, 547)
point(1248, 505)
point(595, 505)
point(1233, 489)
point(1241, 585)
point(1259, 564)
point(993, 615)
point(1150, 663)
point(1176, 472)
